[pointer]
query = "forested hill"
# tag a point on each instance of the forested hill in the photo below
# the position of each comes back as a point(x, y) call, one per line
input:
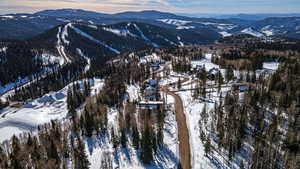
point(71, 42)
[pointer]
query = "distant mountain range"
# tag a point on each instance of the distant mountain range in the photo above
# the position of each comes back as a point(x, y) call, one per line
point(208, 30)
point(243, 16)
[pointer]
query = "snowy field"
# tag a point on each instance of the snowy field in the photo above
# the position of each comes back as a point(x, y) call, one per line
point(206, 62)
point(271, 65)
point(14, 121)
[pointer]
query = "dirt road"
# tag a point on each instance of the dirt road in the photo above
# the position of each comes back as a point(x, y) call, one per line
point(183, 134)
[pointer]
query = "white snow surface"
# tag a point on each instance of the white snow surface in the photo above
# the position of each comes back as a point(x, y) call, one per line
point(14, 121)
point(176, 22)
point(185, 27)
point(180, 42)
point(206, 62)
point(60, 48)
point(51, 59)
point(267, 30)
point(64, 33)
point(120, 32)
point(93, 26)
point(221, 26)
point(271, 65)
point(86, 58)
point(252, 32)
point(3, 49)
point(7, 16)
point(225, 34)
point(150, 58)
point(193, 110)
point(181, 24)
point(133, 92)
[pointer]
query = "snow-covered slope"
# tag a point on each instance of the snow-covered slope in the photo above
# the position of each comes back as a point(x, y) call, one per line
point(181, 24)
point(14, 120)
point(225, 34)
point(252, 32)
point(95, 40)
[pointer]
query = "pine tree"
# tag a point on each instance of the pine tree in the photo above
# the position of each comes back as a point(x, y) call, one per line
point(15, 156)
point(81, 159)
point(207, 147)
point(135, 138)
point(146, 149)
point(242, 166)
point(229, 74)
point(179, 84)
point(123, 138)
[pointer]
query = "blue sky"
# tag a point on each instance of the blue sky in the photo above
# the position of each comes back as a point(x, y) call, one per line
point(176, 6)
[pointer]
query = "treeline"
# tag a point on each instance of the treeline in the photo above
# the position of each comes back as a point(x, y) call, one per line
point(77, 95)
point(278, 46)
point(55, 80)
point(18, 59)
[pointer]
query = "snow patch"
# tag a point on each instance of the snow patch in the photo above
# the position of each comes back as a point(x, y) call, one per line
point(205, 62)
point(271, 65)
point(3, 49)
point(7, 16)
point(87, 67)
point(61, 48)
point(185, 27)
point(150, 58)
point(64, 33)
point(175, 22)
point(48, 59)
point(267, 30)
point(180, 42)
point(93, 26)
point(120, 32)
point(225, 34)
point(252, 32)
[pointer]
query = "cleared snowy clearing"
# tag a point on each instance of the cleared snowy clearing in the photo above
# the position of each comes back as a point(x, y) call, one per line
point(206, 62)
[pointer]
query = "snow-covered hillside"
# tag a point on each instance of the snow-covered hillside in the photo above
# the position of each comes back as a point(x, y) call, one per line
point(181, 24)
point(99, 148)
point(19, 118)
point(252, 32)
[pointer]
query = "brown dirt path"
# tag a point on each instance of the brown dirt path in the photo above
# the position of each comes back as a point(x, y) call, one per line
point(183, 134)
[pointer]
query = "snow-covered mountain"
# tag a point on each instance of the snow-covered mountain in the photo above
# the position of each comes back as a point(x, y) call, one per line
point(24, 26)
point(252, 32)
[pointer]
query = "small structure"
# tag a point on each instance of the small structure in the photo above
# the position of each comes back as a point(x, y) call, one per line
point(243, 87)
point(150, 104)
point(150, 93)
point(155, 65)
point(152, 83)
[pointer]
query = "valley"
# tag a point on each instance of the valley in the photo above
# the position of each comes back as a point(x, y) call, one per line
point(149, 90)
